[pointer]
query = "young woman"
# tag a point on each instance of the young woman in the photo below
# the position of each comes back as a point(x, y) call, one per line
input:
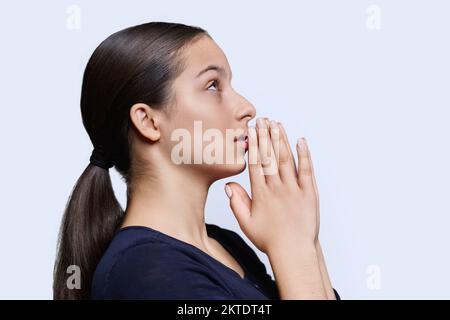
point(143, 87)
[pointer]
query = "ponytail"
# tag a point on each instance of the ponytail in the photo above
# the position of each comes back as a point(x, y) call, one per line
point(91, 218)
point(136, 64)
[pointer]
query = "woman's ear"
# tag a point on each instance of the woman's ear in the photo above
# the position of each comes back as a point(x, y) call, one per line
point(146, 121)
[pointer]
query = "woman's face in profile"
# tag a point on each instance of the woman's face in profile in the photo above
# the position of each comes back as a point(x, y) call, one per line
point(208, 114)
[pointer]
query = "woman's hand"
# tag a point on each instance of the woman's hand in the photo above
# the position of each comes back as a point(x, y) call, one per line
point(284, 207)
point(282, 218)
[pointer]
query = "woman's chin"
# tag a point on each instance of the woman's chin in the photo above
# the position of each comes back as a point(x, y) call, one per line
point(228, 170)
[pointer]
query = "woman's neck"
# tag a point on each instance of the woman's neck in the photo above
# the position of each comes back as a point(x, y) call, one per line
point(172, 202)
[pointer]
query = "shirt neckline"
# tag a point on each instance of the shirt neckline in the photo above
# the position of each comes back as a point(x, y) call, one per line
point(211, 233)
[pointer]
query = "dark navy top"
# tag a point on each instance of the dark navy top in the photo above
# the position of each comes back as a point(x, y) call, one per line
point(143, 263)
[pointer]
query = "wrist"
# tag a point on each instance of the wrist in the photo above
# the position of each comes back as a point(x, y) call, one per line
point(297, 247)
point(297, 271)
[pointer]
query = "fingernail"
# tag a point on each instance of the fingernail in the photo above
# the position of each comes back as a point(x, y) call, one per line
point(300, 144)
point(273, 124)
point(228, 191)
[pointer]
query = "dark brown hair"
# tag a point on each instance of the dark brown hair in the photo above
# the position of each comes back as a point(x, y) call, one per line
point(137, 64)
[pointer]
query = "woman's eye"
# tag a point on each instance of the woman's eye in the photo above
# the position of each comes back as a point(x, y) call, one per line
point(214, 83)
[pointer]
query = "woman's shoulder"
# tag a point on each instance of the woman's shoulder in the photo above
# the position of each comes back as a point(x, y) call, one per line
point(126, 244)
point(141, 262)
point(134, 246)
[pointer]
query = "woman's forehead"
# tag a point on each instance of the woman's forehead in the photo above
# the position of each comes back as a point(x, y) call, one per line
point(203, 54)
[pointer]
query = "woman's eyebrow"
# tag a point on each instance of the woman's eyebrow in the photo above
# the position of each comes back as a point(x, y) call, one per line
point(216, 68)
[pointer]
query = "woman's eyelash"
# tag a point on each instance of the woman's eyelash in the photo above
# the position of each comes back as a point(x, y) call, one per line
point(215, 83)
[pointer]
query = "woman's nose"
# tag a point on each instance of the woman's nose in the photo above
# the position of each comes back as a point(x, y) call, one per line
point(246, 110)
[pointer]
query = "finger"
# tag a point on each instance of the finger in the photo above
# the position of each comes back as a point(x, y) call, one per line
point(304, 166)
point(315, 190)
point(255, 169)
point(291, 155)
point(274, 132)
point(268, 160)
point(317, 196)
point(283, 154)
point(315, 186)
point(314, 178)
point(239, 208)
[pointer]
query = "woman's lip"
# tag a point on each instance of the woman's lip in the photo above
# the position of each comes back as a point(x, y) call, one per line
point(244, 140)
point(242, 137)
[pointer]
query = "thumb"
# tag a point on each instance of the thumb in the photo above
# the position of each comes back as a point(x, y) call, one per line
point(240, 203)
point(242, 193)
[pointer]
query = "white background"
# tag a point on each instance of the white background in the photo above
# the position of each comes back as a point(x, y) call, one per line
point(373, 104)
